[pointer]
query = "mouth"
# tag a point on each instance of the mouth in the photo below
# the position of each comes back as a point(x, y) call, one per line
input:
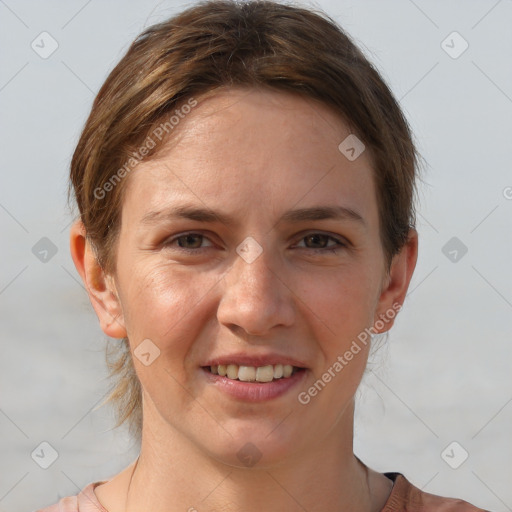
point(261, 374)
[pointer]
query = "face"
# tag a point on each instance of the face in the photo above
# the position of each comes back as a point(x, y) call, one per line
point(264, 165)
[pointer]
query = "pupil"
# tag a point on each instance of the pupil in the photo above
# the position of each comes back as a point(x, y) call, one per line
point(316, 238)
point(190, 238)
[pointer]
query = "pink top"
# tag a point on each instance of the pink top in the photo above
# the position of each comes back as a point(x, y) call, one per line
point(404, 497)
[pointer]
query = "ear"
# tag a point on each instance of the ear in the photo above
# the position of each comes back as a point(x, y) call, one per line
point(100, 286)
point(396, 284)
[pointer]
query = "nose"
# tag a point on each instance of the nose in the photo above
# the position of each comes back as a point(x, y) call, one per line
point(256, 297)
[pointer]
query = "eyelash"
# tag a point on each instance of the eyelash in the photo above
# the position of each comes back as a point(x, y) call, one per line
point(333, 249)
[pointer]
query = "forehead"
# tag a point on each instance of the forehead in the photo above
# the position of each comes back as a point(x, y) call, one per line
point(250, 148)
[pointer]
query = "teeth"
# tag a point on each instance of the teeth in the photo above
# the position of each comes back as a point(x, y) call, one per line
point(232, 372)
point(263, 374)
point(253, 374)
point(248, 373)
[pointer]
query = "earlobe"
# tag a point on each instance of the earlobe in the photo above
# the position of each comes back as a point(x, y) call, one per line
point(99, 285)
point(397, 283)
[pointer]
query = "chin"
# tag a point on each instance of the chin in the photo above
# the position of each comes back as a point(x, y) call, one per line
point(266, 446)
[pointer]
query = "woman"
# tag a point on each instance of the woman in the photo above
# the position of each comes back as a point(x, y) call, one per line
point(246, 185)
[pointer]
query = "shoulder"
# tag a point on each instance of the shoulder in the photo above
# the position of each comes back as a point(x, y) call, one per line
point(405, 497)
point(84, 501)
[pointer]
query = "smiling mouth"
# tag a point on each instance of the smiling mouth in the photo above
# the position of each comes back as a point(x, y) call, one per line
point(262, 374)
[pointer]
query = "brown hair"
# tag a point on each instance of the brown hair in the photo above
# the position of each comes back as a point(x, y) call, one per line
point(227, 43)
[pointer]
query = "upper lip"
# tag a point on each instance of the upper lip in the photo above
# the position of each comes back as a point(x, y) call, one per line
point(254, 360)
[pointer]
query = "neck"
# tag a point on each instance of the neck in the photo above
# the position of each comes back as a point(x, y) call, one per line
point(172, 472)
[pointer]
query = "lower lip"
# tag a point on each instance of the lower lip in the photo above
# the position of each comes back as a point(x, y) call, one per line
point(255, 391)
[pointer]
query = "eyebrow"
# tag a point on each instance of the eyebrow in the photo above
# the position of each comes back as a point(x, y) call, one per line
point(312, 213)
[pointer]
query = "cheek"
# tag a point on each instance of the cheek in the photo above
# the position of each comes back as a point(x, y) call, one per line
point(343, 308)
point(164, 304)
point(342, 301)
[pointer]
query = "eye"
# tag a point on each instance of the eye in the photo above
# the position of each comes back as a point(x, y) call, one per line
point(320, 243)
point(316, 242)
point(188, 242)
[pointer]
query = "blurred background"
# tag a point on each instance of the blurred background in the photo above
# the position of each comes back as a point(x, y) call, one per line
point(437, 404)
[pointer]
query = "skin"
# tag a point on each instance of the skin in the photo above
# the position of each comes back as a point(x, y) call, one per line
point(251, 154)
